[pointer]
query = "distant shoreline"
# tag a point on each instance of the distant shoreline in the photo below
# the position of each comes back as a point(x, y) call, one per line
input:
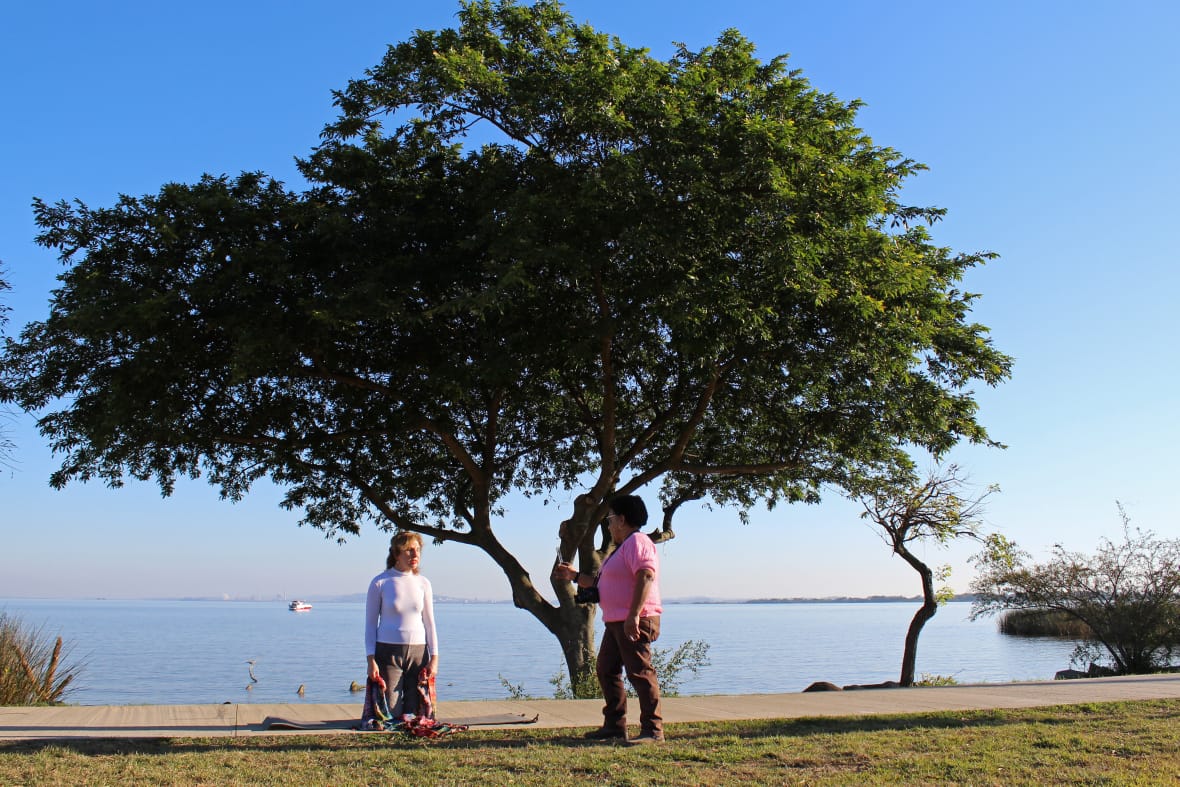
point(360, 597)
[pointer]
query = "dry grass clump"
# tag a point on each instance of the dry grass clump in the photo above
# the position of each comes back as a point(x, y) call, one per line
point(32, 670)
point(1043, 623)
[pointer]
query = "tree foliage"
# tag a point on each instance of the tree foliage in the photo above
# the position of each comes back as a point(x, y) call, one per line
point(6, 444)
point(937, 510)
point(534, 259)
point(1127, 593)
point(4, 307)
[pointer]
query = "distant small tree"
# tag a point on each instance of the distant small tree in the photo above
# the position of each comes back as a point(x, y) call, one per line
point(1126, 593)
point(934, 510)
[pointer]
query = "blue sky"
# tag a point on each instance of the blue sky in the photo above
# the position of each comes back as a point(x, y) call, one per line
point(1050, 131)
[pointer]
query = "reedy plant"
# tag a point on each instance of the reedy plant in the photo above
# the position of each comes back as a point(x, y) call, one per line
point(32, 670)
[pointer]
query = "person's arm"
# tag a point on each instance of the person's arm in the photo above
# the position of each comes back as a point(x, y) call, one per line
point(373, 671)
point(372, 614)
point(431, 631)
point(643, 582)
point(570, 574)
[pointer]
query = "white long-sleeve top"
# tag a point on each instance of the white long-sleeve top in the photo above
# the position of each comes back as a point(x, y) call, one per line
point(399, 610)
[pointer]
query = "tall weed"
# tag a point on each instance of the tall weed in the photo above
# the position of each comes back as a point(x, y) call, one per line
point(33, 667)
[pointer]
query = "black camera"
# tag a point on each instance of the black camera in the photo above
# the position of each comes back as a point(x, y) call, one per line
point(587, 595)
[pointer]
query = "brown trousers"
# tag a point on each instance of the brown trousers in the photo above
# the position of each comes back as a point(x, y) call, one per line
point(618, 653)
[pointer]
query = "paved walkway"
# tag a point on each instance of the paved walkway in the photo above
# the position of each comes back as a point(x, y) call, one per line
point(168, 721)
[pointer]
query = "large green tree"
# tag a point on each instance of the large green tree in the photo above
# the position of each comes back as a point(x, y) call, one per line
point(531, 258)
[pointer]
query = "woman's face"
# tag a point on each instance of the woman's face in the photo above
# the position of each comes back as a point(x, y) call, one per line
point(409, 557)
point(618, 527)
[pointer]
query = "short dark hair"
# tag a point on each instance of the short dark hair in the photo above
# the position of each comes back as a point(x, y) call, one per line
point(631, 508)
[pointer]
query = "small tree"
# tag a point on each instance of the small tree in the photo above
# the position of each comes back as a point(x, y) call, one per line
point(1126, 593)
point(937, 510)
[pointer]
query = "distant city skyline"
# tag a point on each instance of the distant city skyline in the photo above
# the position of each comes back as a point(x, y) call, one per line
point(1049, 132)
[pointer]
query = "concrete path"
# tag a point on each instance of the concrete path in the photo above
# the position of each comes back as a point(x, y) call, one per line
point(169, 721)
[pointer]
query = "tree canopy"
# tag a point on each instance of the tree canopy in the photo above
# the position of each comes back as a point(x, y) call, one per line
point(530, 258)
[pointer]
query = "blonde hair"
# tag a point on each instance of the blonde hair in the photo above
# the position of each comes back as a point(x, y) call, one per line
point(397, 544)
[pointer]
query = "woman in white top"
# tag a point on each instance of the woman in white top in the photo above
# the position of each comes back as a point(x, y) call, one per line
point(400, 639)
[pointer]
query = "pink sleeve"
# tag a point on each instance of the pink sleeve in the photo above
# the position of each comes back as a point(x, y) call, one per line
point(643, 556)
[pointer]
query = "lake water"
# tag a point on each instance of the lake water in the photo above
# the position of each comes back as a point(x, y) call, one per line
point(195, 652)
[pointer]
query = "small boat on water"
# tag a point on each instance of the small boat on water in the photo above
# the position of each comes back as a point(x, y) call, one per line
point(299, 606)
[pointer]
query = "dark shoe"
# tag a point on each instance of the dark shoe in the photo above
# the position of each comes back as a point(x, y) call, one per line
point(605, 734)
point(645, 738)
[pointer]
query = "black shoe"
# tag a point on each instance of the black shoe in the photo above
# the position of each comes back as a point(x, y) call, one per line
point(605, 734)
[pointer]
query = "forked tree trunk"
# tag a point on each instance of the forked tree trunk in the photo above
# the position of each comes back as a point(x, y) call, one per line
point(571, 623)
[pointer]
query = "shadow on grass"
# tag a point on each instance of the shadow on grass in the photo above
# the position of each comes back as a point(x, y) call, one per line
point(692, 735)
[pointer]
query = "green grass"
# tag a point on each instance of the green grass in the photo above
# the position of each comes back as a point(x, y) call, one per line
point(1126, 743)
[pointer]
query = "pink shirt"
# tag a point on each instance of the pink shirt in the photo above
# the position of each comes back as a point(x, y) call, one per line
point(616, 579)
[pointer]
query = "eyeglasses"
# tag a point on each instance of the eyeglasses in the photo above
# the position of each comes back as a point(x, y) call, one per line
point(609, 517)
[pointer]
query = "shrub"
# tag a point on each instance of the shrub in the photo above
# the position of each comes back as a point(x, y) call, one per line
point(691, 656)
point(32, 667)
point(1125, 593)
point(1043, 623)
point(670, 665)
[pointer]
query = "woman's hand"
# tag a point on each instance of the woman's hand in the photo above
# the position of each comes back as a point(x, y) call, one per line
point(431, 668)
point(564, 571)
point(374, 673)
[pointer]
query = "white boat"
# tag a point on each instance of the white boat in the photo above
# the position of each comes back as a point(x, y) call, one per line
point(298, 606)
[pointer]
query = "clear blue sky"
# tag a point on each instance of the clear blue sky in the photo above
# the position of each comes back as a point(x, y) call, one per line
point(1050, 129)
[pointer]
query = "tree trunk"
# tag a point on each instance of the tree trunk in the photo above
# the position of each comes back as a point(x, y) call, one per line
point(909, 657)
point(577, 643)
point(571, 623)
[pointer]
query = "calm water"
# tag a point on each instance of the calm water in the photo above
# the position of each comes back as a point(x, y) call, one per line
point(182, 652)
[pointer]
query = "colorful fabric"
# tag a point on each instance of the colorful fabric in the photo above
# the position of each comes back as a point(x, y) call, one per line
point(421, 727)
point(376, 716)
point(427, 698)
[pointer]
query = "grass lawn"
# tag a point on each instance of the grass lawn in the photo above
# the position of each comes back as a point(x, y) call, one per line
point(1123, 743)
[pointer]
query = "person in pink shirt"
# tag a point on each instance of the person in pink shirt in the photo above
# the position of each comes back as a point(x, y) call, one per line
point(629, 595)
